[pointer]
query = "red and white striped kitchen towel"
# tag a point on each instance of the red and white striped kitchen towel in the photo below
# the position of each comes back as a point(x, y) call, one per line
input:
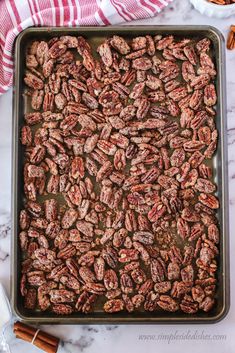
point(16, 15)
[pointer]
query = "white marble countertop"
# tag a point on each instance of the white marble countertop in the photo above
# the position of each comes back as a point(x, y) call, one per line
point(218, 337)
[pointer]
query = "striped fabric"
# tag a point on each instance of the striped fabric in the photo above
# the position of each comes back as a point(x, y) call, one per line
point(16, 15)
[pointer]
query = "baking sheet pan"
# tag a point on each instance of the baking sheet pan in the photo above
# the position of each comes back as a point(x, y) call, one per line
point(96, 35)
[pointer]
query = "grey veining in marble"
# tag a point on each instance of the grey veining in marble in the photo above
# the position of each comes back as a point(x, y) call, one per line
point(126, 339)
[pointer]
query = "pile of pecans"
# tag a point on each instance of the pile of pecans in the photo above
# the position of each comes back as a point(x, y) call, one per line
point(222, 2)
point(120, 211)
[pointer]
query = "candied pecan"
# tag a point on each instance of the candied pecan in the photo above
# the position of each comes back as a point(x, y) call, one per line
point(173, 271)
point(24, 220)
point(23, 240)
point(206, 304)
point(138, 43)
point(204, 134)
point(164, 42)
point(40, 223)
point(137, 300)
point(33, 118)
point(209, 200)
point(110, 280)
point(192, 146)
point(120, 44)
point(142, 63)
point(206, 255)
point(183, 228)
point(190, 215)
point(213, 233)
point(30, 299)
point(157, 270)
point(26, 136)
point(62, 309)
point(114, 305)
point(66, 252)
point(188, 306)
point(143, 237)
point(106, 147)
point(33, 81)
point(210, 95)
point(51, 208)
point(198, 294)
point(61, 296)
point(61, 239)
point(127, 255)
point(162, 287)
point(31, 61)
point(151, 301)
point(191, 55)
point(167, 303)
point(188, 72)
point(138, 276)
point(200, 81)
point(110, 256)
point(203, 45)
point(105, 54)
point(180, 288)
point(69, 218)
point(42, 52)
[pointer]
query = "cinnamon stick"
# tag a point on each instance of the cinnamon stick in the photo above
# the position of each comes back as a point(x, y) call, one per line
point(24, 336)
point(46, 337)
point(50, 341)
point(231, 40)
point(232, 28)
point(42, 340)
point(46, 347)
point(24, 328)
